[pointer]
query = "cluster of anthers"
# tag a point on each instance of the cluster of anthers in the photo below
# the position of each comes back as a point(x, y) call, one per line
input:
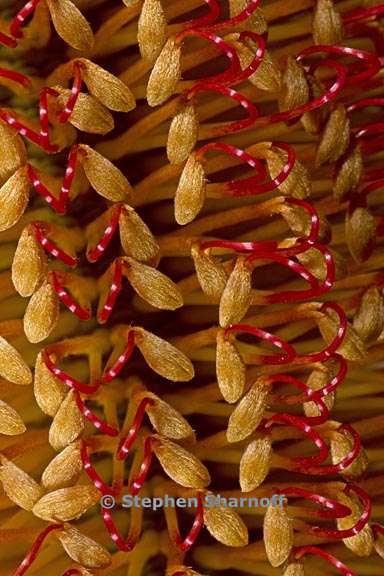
point(315, 89)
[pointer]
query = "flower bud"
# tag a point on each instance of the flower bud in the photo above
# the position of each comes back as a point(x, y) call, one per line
point(68, 423)
point(88, 114)
point(64, 469)
point(327, 24)
point(230, 369)
point(255, 463)
point(191, 191)
point(14, 197)
point(298, 183)
point(10, 422)
point(42, 313)
point(335, 138)
point(136, 238)
point(167, 421)
point(278, 535)
point(165, 74)
point(360, 232)
point(180, 465)
point(66, 504)
point(104, 177)
point(12, 366)
point(106, 87)
point(210, 273)
point(352, 348)
point(318, 379)
point(70, 24)
point(152, 30)
point(28, 264)
point(249, 412)
point(153, 286)
point(23, 490)
point(348, 176)
point(362, 543)
point(83, 549)
point(341, 446)
point(236, 297)
point(13, 153)
point(182, 135)
point(226, 526)
point(369, 318)
point(295, 90)
point(49, 391)
point(162, 357)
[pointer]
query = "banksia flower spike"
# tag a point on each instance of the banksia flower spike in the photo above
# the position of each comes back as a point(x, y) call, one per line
point(192, 313)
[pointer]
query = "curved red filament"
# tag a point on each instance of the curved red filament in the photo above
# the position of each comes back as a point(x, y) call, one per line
point(331, 93)
point(95, 253)
point(309, 393)
point(363, 13)
point(244, 102)
point(113, 293)
point(342, 568)
point(303, 464)
point(336, 342)
point(212, 16)
point(21, 16)
point(66, 378)
point(91, 472)
point(138, 482)
point(127, 442)
point(32, 554)
point(357, 527)
point(340, 466)
point(122, 544)
point(259, 55)
point(272, 245)
point(7, 41)
point(331, 508)
point(49, 246)
point(42, 190)
point(286, 358)
point(114, 370)
point(66, 298)
point(197, 525)
point(371, 61)
point(27, 132)
point(58, 204)
point(241, 155)
point(300, 269)
point(252, 185)
point(99, 424)
point(15, 77)
point(75, 91)
point(232, 72)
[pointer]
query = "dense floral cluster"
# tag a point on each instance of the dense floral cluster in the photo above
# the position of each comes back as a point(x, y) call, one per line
point(191, 286)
